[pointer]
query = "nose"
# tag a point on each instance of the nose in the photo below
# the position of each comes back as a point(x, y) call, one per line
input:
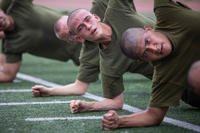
point(87, 25)
point(152, 48)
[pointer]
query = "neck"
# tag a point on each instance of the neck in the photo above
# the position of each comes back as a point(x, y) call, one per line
point(106, 34)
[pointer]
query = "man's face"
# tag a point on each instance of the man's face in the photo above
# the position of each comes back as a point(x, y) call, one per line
point(86, 25)
point(4, 21)
point(153, 46)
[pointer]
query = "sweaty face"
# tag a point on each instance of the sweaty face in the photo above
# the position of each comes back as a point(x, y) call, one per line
point(85, 25)
point(153, 46)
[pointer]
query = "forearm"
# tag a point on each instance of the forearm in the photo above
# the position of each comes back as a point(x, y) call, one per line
point(76, 88)
point(2, 59)
point(149, 117)
point(3, 75)
point(8, 71)
point(107, 104)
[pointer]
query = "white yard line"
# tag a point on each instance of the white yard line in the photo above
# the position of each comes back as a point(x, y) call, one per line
point(98, 98)
point(17, 81)
point(33, 103)
point(64, 118)
point(15, 90)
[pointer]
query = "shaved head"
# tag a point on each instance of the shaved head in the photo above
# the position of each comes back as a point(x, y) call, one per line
point(129, 42)
point(73, 17)
point(62, 31)
point(60, 27)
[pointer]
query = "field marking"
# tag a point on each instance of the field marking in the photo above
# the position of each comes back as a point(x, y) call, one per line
point(17, 81)
point(126, 107)
point(33, 103)
point(15, 90)
point(64, 118)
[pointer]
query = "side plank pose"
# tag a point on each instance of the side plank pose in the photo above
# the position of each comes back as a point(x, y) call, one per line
point(85, 26)
point(89, 60)
point(28, 28)
point(172, 50)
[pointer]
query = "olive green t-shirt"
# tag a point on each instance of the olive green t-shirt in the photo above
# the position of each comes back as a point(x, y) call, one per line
point(89, 56)
point(4, 4)
point(120, 15)
point(34, 34)
point(181, 26)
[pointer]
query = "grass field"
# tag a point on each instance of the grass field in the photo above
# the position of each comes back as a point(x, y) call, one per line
point(22, 113)
point(19, 110)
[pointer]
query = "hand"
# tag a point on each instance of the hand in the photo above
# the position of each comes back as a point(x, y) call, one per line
point(2, 35)
point(3, 20)
point(39, 91)
point(110, 120)
point(78, 106)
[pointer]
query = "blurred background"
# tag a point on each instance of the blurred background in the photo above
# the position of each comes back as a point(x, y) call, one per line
point(141, 5)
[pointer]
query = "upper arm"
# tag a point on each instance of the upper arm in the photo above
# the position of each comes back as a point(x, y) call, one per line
point(8, 71)
point(127, 5)
point(12, 67)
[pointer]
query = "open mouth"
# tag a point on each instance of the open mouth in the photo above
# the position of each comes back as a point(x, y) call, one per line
point(161, 48)
point(93, 31)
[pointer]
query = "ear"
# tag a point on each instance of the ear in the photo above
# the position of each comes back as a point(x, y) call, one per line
point(79, 38)
point(97, 17)
point(146, 27)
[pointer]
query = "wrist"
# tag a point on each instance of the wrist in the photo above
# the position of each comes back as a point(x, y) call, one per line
point(50, 91)
point(120, 122)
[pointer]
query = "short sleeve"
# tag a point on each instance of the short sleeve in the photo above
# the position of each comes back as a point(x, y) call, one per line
point(165, 94)
point(89, 62)
point(112, 86)
point(12, 58)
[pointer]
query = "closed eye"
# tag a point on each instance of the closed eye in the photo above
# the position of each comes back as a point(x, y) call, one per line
point(87, 19)
point(80, 27)
point(145, 52)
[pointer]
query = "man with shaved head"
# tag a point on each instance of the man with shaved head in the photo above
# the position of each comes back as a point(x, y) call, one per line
point(89, 60)
point(28, 28)
point(86, 26)
point(171, 47)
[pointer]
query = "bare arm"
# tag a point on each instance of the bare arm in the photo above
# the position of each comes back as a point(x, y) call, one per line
point(150, 117)
point(2, 35)
point(8, 71)
point(76, 88)
point(106, 104)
